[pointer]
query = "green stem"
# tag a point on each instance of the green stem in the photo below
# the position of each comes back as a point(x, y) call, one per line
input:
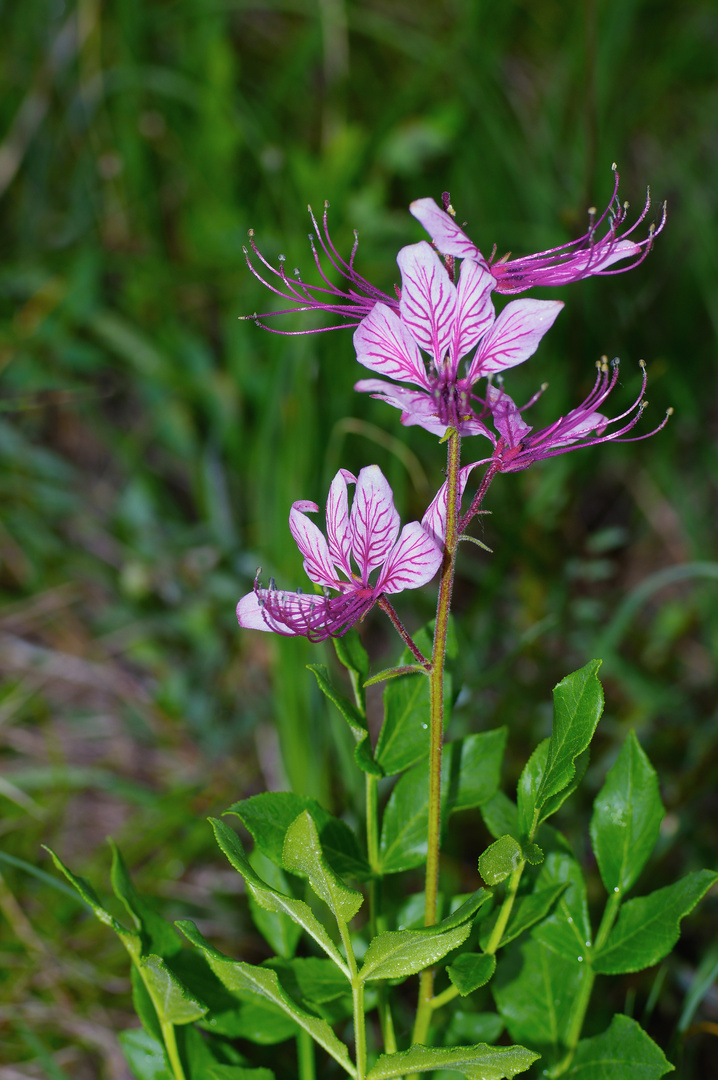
point(583, 997)
point(170, 1040)
point(436, 734)
point(305, 1056)
point(505, 912)
point(372, 822)
point(357, 1002)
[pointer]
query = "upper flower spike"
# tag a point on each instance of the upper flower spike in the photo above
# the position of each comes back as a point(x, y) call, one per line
point(352, 303)
point(518, 445)
point(357, 543)
point(447, 321)
point(590, 254)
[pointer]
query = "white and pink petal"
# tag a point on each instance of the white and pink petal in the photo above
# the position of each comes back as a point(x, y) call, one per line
point(339, 539)
point(434, 520)
point(311, 542)
point(506, 415)
point(383, 344)
point(428, 298)
point(514, 336)
point(373, 521)
point(443, 230)
point(412, 561)
point(474, 309)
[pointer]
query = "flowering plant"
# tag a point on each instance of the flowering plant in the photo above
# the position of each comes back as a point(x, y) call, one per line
point(523, 936)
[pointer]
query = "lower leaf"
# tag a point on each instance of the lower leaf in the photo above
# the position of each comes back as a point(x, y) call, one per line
point(480, 1062)
point(623, 1052)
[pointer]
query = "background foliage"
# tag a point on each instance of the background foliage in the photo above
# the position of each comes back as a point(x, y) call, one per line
point(151, 443)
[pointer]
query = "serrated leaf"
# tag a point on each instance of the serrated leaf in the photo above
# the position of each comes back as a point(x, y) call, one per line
point(567, 930)
point(240, 977)
point(649, 926)
point(470, 971)
point(303, 855)
point(480, 1062)
point(235, 1072)
point(173, 1001)
point(280, 931)
point(269, 898)
point(354, 718)
point(500, 860)
point(623, 1052)
point(397, 953)
point(143, 1006)
point(526, 911)
point(470, 771)
point(627, 815)
point(535, 991)
point(395, 673)
point(268, 816)
point(577, 708)
point(145, 1055)
point(158, 936)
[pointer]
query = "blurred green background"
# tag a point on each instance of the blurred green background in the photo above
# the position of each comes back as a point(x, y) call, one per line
point(151, 443)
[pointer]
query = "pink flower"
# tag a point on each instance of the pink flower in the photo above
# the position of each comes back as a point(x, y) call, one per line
point(590, 254)
point(519, 446)
point(448, 322)
point(357, 543)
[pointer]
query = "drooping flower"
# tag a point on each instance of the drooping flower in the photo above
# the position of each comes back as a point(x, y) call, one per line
point(352, 303)
point(358, 543)
point(592, 254)
point(517, 445)
point(448, 321)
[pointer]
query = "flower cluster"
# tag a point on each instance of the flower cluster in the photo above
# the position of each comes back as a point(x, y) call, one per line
point(432, 344)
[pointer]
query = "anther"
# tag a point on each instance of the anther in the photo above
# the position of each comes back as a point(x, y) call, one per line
point(642, 364)
point(669, 411)
point(250, 232)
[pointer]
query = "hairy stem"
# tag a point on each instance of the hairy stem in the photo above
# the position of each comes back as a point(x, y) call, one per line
point(403, 632)
point(436, 734)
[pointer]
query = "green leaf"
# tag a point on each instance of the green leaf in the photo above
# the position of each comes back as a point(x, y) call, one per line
point(627, 817)
point(567, 930)
point(143, 1005)
point(480, 1062)
point(259, 1022)
point(405, 821)
point(500, 816)
point(500, 859)
point(404, 736)
point(173, 1001)
point(239, 977)
point(303, 855)
point(530, 781)
point(354, 657)
point(470, 971)
point(470, 772)
point(235, 1072)
point(526, 911)
point(472, 1027)
point(471, 769)
point(354, 718)
point(623, 1052)
point(577, 708)
point(648, 927)
point(311, 978)
point(268, 816)
point(280, 931)
point(158, 936)
point(535, 991)
point(271, 900)
point(395, 673)
point(145, 1055)
point(398, 953)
